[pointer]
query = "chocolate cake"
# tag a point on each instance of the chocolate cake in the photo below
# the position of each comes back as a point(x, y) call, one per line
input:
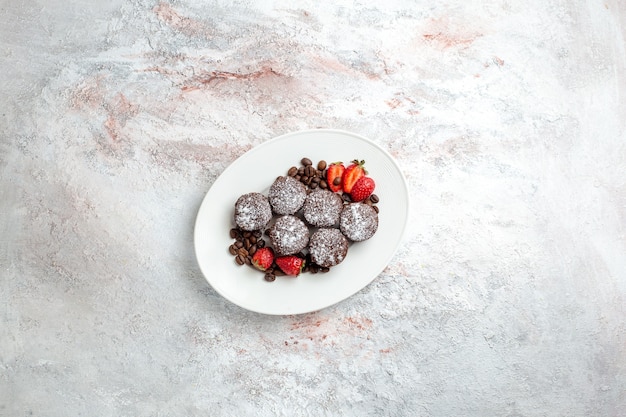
point(288, 235)
point(322, 208)
point(328, 247)
point(286, 195)
point(358, 221)
point(252, 212)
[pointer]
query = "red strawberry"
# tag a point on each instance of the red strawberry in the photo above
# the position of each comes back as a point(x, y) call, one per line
point(363, 188)
point(290, 264)
point(263, 258)
point(351, 175)
point(334, 171)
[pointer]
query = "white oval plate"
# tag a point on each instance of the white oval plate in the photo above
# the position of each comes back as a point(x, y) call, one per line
point(256, 170)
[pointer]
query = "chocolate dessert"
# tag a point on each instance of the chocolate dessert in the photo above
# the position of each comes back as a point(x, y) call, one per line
point(322, 208)
point(328, 247)
point(288, 235)
point(358, 221)
point(286, 195)
point(252, 212)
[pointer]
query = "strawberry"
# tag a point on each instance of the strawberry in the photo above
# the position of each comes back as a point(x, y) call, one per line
point(351, 175)
point(363, 188)
point(263, 258)
point(290, 264)
point(334, 171)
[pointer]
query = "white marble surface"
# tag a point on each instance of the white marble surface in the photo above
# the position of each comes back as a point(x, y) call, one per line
point(508, 118)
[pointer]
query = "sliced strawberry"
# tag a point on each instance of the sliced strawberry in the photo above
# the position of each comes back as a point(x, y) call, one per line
point(263, 258)
point(334, 174)
point(363, 188)
point(290, 264)
point(353, 172)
